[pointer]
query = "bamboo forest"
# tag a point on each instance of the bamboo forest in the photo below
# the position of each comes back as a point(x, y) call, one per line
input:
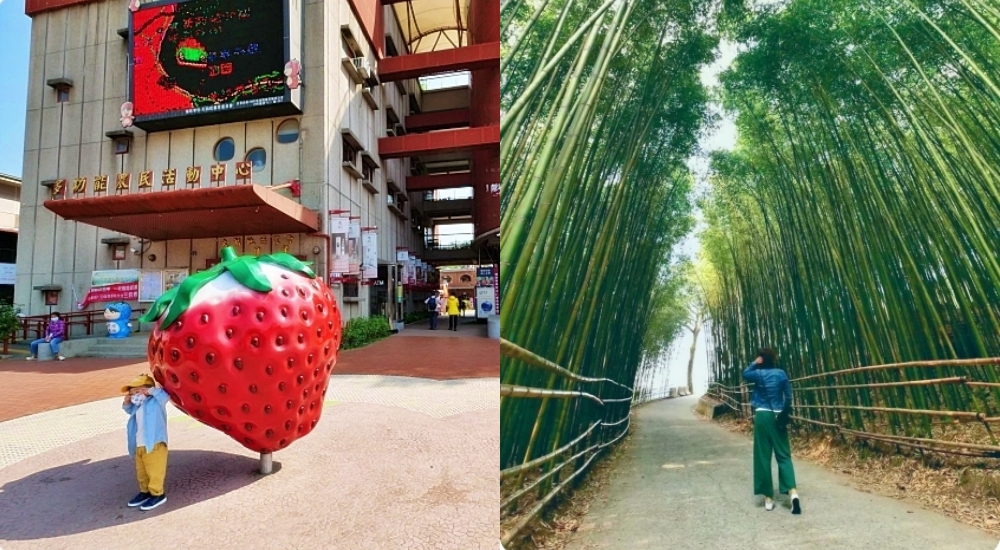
point(853, 227)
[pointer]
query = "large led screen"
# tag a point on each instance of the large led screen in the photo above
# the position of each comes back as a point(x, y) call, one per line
point(196, 62)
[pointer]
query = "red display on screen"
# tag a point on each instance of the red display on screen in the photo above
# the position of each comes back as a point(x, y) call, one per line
point(204, 56)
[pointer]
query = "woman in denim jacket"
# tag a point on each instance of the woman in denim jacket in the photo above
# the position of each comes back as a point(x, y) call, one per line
point(772, 404)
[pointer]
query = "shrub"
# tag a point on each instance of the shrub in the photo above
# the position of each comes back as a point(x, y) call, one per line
point(361, 332)
point(9, 321)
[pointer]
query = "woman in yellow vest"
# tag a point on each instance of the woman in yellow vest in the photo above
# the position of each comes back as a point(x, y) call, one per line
point(453, 312)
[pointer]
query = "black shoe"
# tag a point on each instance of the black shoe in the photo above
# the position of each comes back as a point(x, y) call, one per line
point(153, 502)
point(139, 499)
point(796, 508)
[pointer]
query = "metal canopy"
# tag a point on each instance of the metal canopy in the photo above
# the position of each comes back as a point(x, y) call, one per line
point(192, 213)
point(433, 25)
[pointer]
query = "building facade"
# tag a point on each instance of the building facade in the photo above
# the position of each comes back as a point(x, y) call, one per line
point(159, 132)
point(10, 210)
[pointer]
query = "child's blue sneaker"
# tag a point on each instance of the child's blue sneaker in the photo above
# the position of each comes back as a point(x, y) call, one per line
point(153, 502)
point(137, 500)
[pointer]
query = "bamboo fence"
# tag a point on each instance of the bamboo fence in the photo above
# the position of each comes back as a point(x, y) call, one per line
point(875, 419)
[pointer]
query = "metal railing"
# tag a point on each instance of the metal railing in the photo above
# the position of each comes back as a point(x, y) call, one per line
point(539, 473)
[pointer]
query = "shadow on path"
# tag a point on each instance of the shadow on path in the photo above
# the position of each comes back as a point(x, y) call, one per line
point(687, 484)
point(87, 496)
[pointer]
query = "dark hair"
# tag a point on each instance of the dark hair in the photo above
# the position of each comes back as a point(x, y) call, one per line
point(56, 313)
point(769, 356)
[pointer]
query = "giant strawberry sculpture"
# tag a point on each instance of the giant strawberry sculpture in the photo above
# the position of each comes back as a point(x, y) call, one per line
point(247, 347)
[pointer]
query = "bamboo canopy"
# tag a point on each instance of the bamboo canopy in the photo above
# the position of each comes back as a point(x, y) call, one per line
point(856, 221)
point(852, 228)
point(602, 106)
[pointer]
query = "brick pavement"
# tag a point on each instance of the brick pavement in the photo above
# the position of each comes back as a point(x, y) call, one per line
point(30, 387)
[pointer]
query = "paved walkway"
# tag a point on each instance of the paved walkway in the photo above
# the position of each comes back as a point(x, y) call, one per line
point(687, 484)
point(393, 463)
point(413, 352)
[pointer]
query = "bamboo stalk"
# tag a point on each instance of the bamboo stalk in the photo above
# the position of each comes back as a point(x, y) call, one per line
point(516, 352)
point(952, 414)
point(909, 365)
point(537, 393)
point(515, 470)
point(911, 383)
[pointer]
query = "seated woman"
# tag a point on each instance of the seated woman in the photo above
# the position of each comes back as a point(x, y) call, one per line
point(55, 333)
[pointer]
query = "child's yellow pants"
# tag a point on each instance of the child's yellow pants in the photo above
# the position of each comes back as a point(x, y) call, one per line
point(151, 468)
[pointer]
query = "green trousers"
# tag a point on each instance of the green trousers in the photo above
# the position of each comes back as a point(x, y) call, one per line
point(768, 439)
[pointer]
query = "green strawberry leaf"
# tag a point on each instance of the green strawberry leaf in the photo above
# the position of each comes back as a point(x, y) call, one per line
point(247, 271)
point(289, 262)
point(186, 292)
point(159, 306)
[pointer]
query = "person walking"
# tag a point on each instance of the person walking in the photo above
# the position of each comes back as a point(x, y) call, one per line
point(453, 312)
point(55, 333)
point(463, 304)
point(772, 404)
point(432, 309)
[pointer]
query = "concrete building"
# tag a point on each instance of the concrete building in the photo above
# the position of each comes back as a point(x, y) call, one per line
point(10, 209)
point(158, 132)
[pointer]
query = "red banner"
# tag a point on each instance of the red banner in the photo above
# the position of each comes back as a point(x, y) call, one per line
point(111, 293)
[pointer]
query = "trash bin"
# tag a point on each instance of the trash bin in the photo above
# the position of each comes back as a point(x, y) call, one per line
point(45, 352)
point(493, 327)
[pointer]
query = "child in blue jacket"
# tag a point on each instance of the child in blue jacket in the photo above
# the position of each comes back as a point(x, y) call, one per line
point(146, 406)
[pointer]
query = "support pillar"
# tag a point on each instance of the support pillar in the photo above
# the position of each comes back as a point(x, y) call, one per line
point(484, 27)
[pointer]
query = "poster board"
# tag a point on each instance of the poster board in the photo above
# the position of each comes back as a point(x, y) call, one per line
point(150, 285)
point(173, 277)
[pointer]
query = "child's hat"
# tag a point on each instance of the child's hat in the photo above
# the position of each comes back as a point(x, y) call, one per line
point(140, 381)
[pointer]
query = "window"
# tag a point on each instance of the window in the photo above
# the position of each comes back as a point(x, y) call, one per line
point(288, 131)
point(447, 278)
point(225, 150)
point(62, 95)
point(466, 279)
point(258, 157)
point(350, 152)
point(368, 171)
point(351, 290)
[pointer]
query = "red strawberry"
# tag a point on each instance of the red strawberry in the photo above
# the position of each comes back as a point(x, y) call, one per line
point(247, 347)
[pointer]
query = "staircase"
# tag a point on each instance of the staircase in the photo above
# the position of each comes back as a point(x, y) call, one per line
point(133, 347)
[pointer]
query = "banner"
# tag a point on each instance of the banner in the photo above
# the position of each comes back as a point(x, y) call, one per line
point(484, 276)
point(369, 245)
point(411, 270)
point(112, 286)
point(8, 274)
point(354, 247)
point(339, 228)
point(402, 255)
point(485, 306)
point(496, 286)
